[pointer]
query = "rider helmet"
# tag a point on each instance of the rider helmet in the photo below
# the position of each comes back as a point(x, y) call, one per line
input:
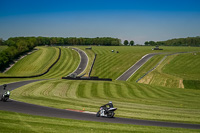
point(110, 102)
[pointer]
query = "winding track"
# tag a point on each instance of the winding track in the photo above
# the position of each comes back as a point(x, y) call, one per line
point(32, 109)
point(83, 63)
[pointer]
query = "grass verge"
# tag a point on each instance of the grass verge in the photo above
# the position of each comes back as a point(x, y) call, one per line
point(22, 123)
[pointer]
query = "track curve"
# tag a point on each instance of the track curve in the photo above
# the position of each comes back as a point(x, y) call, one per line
point(21, 107)
point(83, 63)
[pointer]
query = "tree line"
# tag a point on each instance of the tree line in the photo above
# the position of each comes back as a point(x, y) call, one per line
point(104, 41)
point(20, 45)
point(189, 41)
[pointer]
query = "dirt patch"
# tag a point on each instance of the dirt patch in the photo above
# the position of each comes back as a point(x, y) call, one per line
point(146, 80)
point(181, 85)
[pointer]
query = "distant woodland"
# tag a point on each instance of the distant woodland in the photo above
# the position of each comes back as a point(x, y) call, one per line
point(189, 41)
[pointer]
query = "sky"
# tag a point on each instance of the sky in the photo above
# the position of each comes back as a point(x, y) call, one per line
point(138, 20)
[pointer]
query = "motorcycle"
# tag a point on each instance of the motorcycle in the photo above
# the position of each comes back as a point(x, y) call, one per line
point(106, 112)
point(5, 96)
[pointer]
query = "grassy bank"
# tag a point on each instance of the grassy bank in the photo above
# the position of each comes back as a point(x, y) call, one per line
point(21, 123)
point(35, 63)
point(180, 71)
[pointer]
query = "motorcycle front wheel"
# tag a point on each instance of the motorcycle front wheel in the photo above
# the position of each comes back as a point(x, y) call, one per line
point(5, 99)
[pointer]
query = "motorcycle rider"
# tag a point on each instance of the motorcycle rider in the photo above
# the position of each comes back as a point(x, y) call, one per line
point(106, 110)
point(4, 91)
point(110, 105)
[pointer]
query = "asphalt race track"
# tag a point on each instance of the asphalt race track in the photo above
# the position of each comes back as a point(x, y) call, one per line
point(21, 107)
point(83, 62)
point(125, 76)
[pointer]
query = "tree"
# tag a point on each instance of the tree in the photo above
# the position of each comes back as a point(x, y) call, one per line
point(132, 43)
point(146, 43)
point(125, 42)
point(152, 43)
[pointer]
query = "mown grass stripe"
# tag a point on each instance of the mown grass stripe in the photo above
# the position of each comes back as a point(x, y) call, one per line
point(68, 62)
point(107, 91)
point(120, 91)
point(131, 91)
point(94, 91)
point(81, 90)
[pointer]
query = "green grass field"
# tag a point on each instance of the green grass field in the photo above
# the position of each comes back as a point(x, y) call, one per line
point(180, 71)
point(185, 66)
point(132, 100)
point(22, 123)
point(112, 65)
point(160, 99)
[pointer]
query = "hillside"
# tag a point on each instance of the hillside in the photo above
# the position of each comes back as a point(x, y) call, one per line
point(111, 64)
point(181, 71)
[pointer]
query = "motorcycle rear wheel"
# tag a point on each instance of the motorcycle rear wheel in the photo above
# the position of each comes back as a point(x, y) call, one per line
point(111, 114)
point(98, 114)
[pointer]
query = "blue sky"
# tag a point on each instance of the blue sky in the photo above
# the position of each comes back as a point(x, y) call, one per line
point(138, 20)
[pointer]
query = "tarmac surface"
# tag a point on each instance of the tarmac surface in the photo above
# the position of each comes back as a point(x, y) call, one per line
point(21, 107)
point(83, 62)
point(127, 74)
